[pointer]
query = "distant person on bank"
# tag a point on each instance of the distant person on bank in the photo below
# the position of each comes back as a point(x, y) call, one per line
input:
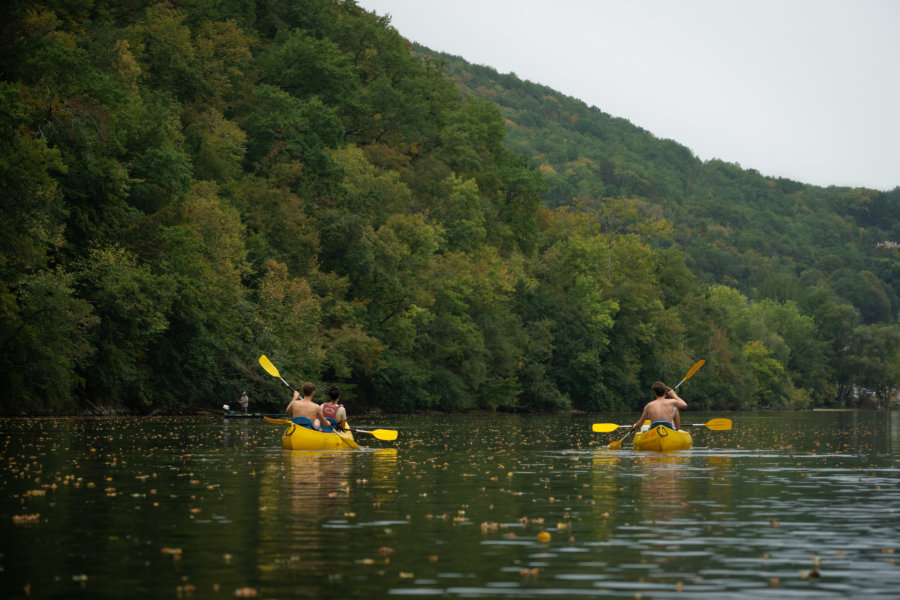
point(245, 402)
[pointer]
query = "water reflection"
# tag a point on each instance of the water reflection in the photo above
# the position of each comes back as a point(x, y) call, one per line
point(456, 507)
point(662, 484)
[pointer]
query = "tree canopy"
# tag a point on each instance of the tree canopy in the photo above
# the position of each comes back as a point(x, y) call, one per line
point(186, 186)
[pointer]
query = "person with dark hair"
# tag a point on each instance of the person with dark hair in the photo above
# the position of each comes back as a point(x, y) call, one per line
point(333, 410)
point(303, 411)
point(663, 410)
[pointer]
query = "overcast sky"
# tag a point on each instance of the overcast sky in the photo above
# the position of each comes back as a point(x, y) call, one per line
point(803, 89)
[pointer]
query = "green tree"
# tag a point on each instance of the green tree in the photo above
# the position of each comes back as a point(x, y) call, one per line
point(874, 362)
point(204, 255)
point(304, 67)
point(291, 134)
point(216, 145)
point(131, 307)
point(45, 339)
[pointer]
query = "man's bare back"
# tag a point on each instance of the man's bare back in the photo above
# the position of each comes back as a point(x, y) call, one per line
point(663, 408)
point(305, 407)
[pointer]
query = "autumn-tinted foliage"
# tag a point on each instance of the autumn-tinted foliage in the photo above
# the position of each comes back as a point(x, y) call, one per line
point(188, 186)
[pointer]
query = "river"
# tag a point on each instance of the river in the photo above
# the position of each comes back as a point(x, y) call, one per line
point(784, 505)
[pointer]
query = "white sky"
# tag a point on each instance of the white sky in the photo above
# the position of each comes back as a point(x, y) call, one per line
point(803, 89)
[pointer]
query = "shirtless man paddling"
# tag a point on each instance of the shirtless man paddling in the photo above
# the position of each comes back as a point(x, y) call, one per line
point(305, 407)
point(664, 409)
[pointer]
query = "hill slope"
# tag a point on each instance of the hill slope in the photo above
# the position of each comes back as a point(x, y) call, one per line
point(736, 226)
point(769, 238)
point(186, 187)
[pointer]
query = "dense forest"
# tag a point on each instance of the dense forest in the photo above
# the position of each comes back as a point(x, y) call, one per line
point(186, 186)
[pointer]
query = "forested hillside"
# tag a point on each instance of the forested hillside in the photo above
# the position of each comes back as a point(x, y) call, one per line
point(187, 186)
point(831, 252)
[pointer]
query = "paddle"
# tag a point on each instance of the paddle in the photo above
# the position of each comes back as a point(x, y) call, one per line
point(618, 443)
point(694, 369)
point(606, 427)
point(382, 434)
point(388, 435)
point(714, 424)
point(273, 370)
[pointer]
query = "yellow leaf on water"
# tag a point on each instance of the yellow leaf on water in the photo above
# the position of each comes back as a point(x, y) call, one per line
point(26, 519)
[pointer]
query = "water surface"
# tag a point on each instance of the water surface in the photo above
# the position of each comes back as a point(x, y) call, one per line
point(786, 505)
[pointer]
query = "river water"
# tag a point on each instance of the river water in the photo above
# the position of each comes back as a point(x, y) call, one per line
point(785, 505)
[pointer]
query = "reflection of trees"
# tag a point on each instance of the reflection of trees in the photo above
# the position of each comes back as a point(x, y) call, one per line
point(893, 431)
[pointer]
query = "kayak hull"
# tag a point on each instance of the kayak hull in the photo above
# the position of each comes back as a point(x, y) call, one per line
point(296, 437)
point(662, 438)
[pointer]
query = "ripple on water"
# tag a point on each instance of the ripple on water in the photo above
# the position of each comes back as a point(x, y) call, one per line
point(712, 523)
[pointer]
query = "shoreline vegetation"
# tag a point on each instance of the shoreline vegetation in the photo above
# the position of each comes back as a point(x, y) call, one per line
point(212, 412)
point(188, 186)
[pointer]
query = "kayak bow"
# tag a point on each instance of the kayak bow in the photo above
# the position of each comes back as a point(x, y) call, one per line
point(297, 437)
point(662, 438)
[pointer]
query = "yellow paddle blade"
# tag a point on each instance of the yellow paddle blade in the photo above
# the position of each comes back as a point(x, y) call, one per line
point(718, 424)
point(388, 435)
point(277, 421)
point(616, 444)
point(268, 366)
point(604, 427)
point(695, 368)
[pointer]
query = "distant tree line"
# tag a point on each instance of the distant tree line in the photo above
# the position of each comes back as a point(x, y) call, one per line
point(186, 186)
point(831, 254)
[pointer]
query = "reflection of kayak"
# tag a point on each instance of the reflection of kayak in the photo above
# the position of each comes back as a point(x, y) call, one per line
point(662, 438)
point(296, 437)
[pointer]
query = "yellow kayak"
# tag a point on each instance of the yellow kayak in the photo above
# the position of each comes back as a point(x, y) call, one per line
point(662, 438)
point(296, 437)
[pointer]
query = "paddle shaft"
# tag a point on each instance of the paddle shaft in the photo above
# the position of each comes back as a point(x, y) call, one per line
point(287, 384)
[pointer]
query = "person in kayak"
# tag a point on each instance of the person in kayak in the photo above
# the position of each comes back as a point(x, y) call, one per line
point(301, 410)
point(333, 410)
point(663, 410)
